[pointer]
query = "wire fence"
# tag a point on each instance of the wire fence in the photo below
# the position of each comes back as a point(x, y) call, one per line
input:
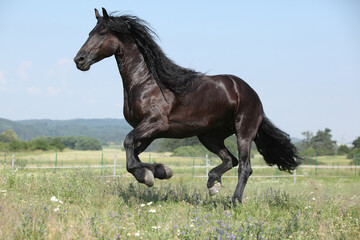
point(112, 165)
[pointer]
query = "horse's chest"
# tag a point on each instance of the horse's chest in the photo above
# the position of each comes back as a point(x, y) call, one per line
point(135, 107)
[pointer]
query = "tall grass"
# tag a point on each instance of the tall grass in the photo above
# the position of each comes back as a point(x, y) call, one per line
point(91, 207)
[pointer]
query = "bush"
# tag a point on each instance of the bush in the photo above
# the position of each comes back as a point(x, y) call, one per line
point(310, 152)
point(40, 144)
point(343, 150)
point(354, 152)
point(88, 143)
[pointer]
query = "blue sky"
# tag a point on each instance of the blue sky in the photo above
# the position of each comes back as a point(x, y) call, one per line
point(302, 57)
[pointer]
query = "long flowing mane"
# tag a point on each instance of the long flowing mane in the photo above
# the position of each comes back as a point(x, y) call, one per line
point(165, 72)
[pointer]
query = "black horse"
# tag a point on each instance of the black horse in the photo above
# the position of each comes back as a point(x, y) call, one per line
point(164, 100)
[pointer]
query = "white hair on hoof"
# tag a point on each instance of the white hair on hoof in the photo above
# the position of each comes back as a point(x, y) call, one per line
point(149, 178)
point(215, 189)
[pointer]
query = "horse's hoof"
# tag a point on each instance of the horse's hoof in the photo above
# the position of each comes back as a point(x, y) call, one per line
point(148, 178)
point(168, 171)
point(162, 172)
point(215, 189)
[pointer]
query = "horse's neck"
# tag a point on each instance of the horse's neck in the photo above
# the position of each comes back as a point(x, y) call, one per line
point(132, 66)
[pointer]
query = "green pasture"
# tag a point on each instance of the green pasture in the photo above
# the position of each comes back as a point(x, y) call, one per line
point(80, 204)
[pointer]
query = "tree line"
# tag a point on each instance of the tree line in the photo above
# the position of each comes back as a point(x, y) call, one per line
point(9, 142)
point(321, 144)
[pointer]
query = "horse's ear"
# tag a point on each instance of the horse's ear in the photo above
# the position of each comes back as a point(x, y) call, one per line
point(105, 14)
point(97, 14)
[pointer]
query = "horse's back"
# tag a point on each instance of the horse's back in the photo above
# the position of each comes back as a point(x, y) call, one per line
point(213, 104)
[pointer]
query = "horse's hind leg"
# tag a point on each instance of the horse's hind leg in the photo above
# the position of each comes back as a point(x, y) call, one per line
point(215, 144)
point(245, 131)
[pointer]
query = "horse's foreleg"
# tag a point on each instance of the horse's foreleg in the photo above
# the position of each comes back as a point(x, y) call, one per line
point(136, 142)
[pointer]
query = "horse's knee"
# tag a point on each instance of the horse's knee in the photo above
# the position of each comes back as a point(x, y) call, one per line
point(129, 142)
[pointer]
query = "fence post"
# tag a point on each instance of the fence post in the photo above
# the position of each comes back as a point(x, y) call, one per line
point(102, 162)
point(207, 167)
point(13, 161)
point(5, 161)
point(115, 166)
point(55, 162)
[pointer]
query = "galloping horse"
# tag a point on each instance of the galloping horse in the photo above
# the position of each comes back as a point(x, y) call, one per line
point(164, 100)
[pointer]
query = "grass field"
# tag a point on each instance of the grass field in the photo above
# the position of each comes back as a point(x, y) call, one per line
point(80, 204)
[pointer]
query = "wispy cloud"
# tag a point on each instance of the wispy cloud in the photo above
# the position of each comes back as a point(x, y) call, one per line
point(34, 90)
point(25, 66)
point(51, 91)
point(3, 82)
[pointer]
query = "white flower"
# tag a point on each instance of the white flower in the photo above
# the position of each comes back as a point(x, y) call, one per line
point(142, 205)
point(154, 227)
point(57, 209)
point(191, 225)
point(61, 202)
point(137, 234)
point(152, 210)
point(313, 199)
point(54, 199)
point(128, 234)
point(149, 203)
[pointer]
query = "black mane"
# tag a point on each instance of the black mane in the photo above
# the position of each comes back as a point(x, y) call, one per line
point(165, 72)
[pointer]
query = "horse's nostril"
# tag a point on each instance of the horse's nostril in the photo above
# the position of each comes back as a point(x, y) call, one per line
point(79, 59)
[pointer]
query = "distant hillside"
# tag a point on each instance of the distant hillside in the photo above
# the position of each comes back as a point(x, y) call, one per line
point(106, 130)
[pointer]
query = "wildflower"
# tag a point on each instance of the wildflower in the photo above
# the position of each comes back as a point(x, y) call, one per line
point(313, 199)
point(57, 209)
point(191, 225)
point(137, 234)
point(61, 202)
point(154, 227)
point(152, 210)
point(149, 203)
point(142, 205)
point(54, 199)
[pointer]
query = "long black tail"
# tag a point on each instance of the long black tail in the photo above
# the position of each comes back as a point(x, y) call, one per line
point(276, 147)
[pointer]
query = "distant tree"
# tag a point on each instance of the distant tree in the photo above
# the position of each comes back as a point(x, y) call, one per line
point(343, 150)
point(88, 143)
point(355, 151)
point(69, 141)
point(306, 142)
point(40, 143)
point(8, 136)
point(16, 146)
point(356, 143)
point(169, 145)
point(322, 142)
point(57, 143)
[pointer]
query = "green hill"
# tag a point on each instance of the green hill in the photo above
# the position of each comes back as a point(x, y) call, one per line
point(105, 130)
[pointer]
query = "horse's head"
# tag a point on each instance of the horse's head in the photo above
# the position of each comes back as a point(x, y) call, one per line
point(102, 43)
